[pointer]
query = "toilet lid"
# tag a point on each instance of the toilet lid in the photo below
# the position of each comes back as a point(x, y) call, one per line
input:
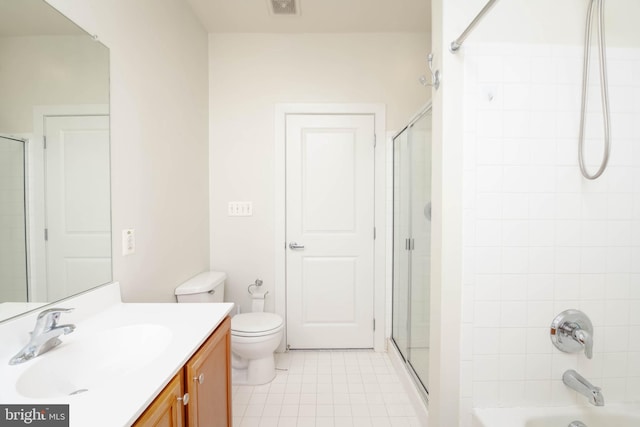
point(255, 322)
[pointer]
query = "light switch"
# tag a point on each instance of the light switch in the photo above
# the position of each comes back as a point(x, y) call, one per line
point(128, 241)
point(240, 209)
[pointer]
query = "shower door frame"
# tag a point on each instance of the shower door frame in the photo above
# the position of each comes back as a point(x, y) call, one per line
point(420, 385)
point(26, 195)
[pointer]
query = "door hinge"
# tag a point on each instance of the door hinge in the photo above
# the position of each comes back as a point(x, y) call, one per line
point(374, 324)
point(44, 141)
point(374, 233)
point(46, 234)
point(375, 140)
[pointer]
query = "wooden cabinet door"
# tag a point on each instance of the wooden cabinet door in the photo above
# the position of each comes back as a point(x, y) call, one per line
point(208, 381)
point(166, 410)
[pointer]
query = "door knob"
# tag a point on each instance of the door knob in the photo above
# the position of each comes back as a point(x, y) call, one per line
point(294, 245)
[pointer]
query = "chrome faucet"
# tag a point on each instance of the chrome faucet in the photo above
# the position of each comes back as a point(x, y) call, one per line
point(44, 336)
point(577, 382)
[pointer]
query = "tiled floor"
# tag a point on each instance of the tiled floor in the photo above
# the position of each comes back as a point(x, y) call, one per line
point(326, 389)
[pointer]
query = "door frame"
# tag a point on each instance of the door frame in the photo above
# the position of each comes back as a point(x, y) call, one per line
point(379, 113)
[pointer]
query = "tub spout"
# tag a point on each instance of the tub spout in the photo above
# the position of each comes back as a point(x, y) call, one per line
point(577, 382)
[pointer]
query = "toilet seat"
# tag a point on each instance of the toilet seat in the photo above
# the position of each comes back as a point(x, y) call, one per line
point(256, 324)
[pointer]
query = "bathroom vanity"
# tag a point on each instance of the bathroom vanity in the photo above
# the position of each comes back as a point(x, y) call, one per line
point(126, 364)
point(200, 393)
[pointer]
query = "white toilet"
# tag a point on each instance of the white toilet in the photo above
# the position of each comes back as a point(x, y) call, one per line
point(254, 336)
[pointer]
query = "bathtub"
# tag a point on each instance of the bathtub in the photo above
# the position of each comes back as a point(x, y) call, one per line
point(606, 416)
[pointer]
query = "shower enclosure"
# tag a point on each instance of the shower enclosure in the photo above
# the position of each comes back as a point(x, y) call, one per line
point(412, 245)
point(13, 229)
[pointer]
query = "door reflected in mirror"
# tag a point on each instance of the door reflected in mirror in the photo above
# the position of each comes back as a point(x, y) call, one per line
point(55, 211)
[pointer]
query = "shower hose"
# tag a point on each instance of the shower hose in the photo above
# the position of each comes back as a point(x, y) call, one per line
point(603, 89)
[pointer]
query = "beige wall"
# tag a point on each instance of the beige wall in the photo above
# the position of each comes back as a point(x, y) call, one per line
point(49, 70)
point(249, 74)
point(159, 138)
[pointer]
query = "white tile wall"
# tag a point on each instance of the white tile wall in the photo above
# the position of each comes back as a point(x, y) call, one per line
point(539, 238)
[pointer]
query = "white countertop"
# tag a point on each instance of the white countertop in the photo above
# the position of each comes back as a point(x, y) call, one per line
point(10, 309)
point(118, 402)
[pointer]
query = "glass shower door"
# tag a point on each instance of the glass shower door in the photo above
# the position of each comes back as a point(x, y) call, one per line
point(420, 148)
point(13, 239)
point(401, 259)
point(412, 245)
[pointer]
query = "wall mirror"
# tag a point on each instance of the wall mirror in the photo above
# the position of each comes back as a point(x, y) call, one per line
point(55, 203)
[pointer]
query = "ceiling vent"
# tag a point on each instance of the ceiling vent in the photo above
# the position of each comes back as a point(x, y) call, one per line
point(284, 7)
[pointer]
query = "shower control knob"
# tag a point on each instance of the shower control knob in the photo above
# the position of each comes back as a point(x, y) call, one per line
point(572, 332)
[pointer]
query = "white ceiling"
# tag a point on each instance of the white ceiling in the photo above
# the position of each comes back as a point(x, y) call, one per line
point(316, 16)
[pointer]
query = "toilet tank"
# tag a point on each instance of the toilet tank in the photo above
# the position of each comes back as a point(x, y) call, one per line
point(205, 287)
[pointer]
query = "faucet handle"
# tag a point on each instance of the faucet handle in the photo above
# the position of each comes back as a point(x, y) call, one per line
point(572, 331)
point(584, 338)
point(49, 318)
point(54, 311)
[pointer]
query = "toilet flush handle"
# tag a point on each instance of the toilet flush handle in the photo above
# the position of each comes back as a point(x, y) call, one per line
point(294, 245)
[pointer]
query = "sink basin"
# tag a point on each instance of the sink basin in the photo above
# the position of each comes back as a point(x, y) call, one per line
point(86, 364)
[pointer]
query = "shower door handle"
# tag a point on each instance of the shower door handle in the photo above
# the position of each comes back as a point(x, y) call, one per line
point(294, 245)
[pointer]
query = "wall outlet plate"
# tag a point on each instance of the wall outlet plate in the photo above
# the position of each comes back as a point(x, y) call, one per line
point(240, 209)
point(128, 241)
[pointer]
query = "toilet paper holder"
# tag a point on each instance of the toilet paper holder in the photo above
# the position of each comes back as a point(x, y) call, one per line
point(257, 284)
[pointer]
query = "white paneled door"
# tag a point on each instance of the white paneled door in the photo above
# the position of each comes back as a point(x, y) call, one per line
point(330, 230)
point(78, 215)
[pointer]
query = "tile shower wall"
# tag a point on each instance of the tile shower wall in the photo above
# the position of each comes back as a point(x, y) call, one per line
point(539, 238)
